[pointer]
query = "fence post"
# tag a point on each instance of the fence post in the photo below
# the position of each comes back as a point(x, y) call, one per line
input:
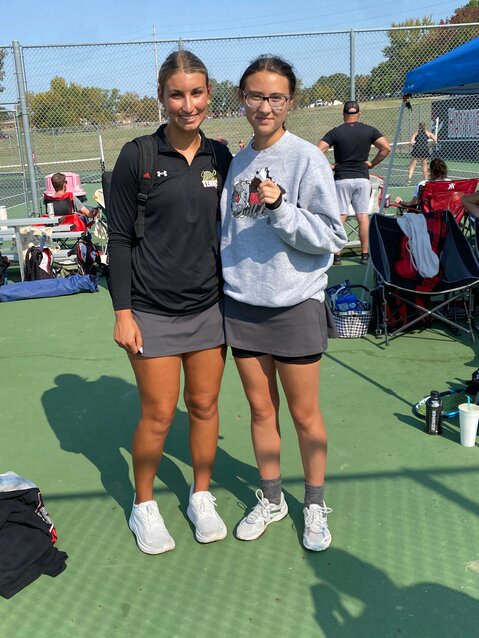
point(156, 73)
point(352, 65)
point(17, 54)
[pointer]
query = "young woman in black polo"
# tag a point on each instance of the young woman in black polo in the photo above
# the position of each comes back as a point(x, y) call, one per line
point(166, 294)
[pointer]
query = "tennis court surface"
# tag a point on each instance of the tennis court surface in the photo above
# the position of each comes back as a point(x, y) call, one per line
point(405, 554)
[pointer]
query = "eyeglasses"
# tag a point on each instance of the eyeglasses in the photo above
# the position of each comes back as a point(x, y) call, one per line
point(277, 101)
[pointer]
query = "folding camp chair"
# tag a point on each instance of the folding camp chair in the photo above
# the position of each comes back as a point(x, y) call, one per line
point(102, 196)
point(403, 299)
point(78, 223)
point(446, 195)
point(63, 207)
point(62, 204)
point(106, 184)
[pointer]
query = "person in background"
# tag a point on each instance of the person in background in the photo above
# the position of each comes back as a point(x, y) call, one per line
point(420, 149)
point(352, 142)
point(280, 229)
point(60, 186)
point(471, 203)
point(166, 293)
point(437, 173)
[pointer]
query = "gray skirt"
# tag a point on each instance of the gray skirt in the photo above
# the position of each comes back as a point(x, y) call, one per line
point(165, 335)
point(296, 331)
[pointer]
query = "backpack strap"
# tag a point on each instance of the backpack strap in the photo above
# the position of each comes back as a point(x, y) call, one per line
point(148, 161)
point(221, 159)
point(218, 153)
point(148, 149)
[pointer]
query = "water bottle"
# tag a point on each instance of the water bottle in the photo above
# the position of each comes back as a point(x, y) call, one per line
point(475, 386)
point(433, 413)
point(50, 210)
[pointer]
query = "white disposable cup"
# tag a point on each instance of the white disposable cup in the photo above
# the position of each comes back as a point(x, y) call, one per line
point(468, 420)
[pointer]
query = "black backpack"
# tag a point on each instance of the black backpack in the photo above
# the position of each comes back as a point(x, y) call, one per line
point(148, 160)
point(88, 256)
point(4, 264)
point(38, 264)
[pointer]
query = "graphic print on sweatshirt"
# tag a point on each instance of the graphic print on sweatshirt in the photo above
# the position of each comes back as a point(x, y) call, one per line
point(245, 198)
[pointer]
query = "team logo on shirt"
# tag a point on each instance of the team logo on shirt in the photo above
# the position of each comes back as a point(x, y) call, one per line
point(245, 199)
point(209, 179)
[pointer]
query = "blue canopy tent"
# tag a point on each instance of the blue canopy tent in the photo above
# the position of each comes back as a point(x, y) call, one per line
point(454, 73)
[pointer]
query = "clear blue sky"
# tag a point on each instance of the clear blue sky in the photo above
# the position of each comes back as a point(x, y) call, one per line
point(52, 22)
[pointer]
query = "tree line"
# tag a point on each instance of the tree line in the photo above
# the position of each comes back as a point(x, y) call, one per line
point(70, 104)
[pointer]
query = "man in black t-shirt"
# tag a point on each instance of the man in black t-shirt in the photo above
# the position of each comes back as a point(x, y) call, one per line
point(352, 142)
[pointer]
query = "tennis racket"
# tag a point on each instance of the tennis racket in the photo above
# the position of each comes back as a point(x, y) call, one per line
point(451, 399)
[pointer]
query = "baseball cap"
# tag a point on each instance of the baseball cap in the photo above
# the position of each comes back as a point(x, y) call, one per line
point(351, 107)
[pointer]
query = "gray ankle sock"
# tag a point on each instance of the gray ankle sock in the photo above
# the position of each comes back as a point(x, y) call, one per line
point(313, 494)
point(271, 489)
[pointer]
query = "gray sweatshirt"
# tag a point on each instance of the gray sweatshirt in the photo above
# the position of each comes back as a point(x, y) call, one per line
point(279, 258)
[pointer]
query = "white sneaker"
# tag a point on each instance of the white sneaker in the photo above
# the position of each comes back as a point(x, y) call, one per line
point(149, 529)
point(202, 513)
point(316, 533)
point(263, 513)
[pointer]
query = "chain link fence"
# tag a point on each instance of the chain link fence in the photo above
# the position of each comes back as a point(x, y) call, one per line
point(83, 102)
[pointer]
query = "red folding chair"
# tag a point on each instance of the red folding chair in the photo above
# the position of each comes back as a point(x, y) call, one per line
point(446, 195)
point(62, 204)
point(63, 207)
point(442, 195)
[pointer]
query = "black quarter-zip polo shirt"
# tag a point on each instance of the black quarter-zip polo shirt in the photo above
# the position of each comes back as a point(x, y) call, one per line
point(175, 268)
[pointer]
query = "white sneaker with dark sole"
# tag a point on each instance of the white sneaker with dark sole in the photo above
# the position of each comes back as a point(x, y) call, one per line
point(316, 536)
point(201, 511)
point(263, 514)
point(149, 529)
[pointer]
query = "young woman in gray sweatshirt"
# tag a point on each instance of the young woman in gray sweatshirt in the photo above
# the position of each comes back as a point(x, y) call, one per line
point(280, 229)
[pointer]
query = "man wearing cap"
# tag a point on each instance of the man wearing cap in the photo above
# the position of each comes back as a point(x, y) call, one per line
point(352, 142)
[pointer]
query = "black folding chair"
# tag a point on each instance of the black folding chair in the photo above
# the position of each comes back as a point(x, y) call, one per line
point(449, 302)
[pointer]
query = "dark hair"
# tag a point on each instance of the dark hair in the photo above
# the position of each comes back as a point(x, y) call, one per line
point(422, 126)
point(58, 181)
point(438, 168)
point(180, 61)
point(271, 63)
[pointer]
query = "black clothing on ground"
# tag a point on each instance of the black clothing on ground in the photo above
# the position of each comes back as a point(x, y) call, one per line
point(351, 143)
point(175, 268)
point(26, 541)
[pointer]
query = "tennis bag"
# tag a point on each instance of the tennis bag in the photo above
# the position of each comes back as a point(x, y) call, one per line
point(38, 264)
point(4, 264)
point(88, 255)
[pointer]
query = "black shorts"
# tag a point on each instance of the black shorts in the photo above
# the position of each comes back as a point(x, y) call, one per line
point(238, 353)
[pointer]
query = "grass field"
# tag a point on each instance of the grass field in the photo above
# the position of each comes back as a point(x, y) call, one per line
point(78, 150)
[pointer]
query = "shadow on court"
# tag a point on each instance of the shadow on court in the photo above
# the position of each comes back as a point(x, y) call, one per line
point(97, 419)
